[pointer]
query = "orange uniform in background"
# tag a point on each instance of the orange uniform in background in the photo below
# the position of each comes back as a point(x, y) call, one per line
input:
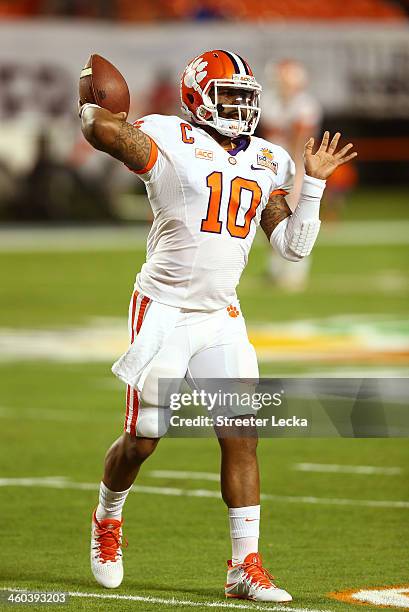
point(339, 185)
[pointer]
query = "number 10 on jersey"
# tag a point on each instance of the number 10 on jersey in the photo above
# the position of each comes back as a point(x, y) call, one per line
point(212, 223)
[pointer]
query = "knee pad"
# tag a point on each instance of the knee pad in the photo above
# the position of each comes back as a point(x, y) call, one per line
point(152, 422)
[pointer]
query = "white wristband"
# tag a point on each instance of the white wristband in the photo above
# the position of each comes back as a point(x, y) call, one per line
point(87, 105)
point(312, 187)
point(310, 198)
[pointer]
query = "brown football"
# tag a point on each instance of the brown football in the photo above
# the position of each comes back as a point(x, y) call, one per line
point(101, 83)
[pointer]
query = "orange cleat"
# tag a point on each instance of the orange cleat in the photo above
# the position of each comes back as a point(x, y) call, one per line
point(106, 552)
point(250, 580)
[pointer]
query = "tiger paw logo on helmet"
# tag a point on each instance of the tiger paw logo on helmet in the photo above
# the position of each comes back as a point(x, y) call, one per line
point(195, 73)
point(218, 89)
point(233, 311)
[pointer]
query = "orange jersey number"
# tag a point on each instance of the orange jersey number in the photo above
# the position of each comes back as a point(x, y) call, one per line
point(212, 221)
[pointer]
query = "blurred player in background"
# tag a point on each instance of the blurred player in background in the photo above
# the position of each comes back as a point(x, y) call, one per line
point(291, 114)
point(210, 183)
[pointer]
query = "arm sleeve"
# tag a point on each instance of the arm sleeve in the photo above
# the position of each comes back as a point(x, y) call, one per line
point(295, 236)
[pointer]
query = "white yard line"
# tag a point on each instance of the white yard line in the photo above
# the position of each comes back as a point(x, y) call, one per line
point(304, 370)
point(183, 475)
point(346, 469)
point(62, 483)
point(58, 415)
point(364, 233)
point(178, 602)
point(29, 239)
point(71, 239)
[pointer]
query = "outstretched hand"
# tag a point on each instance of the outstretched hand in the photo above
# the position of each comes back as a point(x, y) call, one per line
point(323, 163)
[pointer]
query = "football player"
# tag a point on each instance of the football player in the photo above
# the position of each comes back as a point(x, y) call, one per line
point(210, 183)
point(290, 115)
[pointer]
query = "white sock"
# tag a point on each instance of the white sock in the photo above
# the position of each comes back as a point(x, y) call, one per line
point(244, 532)
point(110, 503)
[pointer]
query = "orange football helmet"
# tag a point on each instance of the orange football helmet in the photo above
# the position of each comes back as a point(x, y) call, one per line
point(213, 78)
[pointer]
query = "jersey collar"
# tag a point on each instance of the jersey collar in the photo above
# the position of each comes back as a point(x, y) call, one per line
point(242, 142)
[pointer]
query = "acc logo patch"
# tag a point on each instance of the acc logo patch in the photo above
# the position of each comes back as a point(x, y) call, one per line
point(380, 597)
point(203, 154)
point(266, 158)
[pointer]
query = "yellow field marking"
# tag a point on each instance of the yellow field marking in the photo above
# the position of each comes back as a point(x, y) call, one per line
point(299, 345)
point(292, 342)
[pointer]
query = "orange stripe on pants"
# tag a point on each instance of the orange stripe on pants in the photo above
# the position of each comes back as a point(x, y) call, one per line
point(132, 399)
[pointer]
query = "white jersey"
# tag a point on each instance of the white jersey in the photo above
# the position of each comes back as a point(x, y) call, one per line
point(207, 204)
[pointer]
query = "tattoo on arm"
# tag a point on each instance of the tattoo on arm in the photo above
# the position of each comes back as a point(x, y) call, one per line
point(106, 132)
point(276, 211)
point(131, 146)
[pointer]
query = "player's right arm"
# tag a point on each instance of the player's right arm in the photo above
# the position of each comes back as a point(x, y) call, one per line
point(114, 135)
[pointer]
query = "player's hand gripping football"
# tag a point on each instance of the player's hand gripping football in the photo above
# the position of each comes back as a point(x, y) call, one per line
point(121, 116)
point(322, 164)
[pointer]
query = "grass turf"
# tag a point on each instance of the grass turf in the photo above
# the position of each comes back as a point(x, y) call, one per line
point(178, 544)
point(46, 289)
point(57, 419)
point(53, 289)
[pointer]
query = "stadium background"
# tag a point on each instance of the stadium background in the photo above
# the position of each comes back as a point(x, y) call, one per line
point(73, 226)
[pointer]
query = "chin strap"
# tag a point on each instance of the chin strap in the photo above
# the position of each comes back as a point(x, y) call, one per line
point(295, 236)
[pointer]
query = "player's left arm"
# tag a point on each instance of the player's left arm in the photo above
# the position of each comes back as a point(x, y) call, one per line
point(276, 211)
point(293, 235)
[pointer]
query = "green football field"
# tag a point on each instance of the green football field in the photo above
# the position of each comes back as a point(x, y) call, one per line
point(334, 513)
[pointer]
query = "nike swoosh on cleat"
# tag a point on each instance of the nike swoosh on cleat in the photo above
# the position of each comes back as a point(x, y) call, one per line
point(255, 168)
point(250, 520)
